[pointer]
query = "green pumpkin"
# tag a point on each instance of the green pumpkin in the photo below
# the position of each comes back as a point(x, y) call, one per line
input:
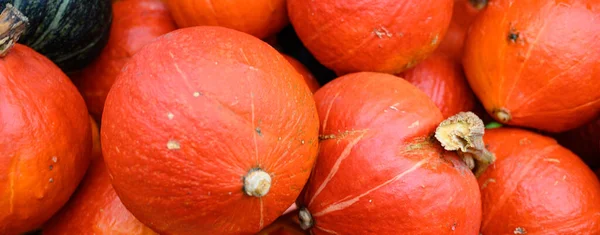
point(71, 33)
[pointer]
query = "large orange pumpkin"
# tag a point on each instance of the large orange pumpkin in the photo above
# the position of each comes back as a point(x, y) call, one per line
point(443, 80)
point(95, 209)
point(380, 36)
point(534, 64)
point(537, 187)
point(209, 131)
point(260, 18)
point(379, 171)
point(45, 134)
point(135, 23)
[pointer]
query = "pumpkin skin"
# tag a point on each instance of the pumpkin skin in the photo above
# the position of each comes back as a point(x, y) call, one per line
point(584, 141)
point(378, 36)
point(136, 23)
point(463, 15)
point(95, 208)
point(443, 80)
point(46, 140)
point(310, 80)
point(537, 187)
point(69, 32)
point(378, 171)
point(284, 225)
point(260, 18)
point(254, 110)
point(530, 62)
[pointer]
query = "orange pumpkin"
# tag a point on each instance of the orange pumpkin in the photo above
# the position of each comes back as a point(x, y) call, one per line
point(260, 18)
point(442, 79)
point(380, 36)
point(310, 80)
point(534, 64)
point(95, 209)
point(258, 125)
point(537, 187)
point(463, 15)
point(46, 137)
point(378, 170)
point(135, 23)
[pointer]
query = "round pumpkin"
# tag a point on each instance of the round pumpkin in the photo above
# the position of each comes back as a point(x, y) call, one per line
point(443, 80)
point(135, 23)
point(260, 18)
point(46, 137)
point(584, 141)
point(531, 63)
point(380, 36)
point(310, 80)
point(537, 187)
point(379, 171)
point(209, 131)
point(71, 33)
point(96, 209)
point(463, 15)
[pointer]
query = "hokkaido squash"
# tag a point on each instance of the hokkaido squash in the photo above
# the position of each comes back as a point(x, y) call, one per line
point(310, 80)
point(96, 209)
point(531, 63)
point(71, 33)
point(208, 130)
point(260, 18)
point(584, 141)
point(45, 129)
point(379, 171)
point(136, 22)
point(537, 187)
point(443, 80)
point(380, 36)
point(463, 15)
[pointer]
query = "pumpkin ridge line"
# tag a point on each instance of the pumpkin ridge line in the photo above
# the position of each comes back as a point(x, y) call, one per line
point(331, 23)
point(345, 153)
point(326, 230)
point(532, 96)
point(520, 175)
point(340, 205)
point(53, 24)
point(527, 59)
point(329, 110)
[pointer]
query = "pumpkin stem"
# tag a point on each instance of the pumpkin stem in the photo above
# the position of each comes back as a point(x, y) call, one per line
point(502, 115)
point(464, 132)
point(478, 4)
point(306, 219)
point(12, 24)
point(257, 183)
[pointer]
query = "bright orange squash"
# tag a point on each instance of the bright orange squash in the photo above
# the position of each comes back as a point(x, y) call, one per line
point(209, 131)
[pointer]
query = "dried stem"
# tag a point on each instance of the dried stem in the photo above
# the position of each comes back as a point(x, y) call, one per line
point(463, 132)
point(12, 24)
point(478, 4)
point(306, 219)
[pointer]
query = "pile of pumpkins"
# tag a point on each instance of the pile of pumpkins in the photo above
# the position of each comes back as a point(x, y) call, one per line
point(300, 117)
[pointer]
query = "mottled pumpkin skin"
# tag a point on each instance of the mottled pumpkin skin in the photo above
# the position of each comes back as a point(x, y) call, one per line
point(46, 140)
point(380, 36)
point(535, 60)
point(69, 32)
point(135, 24)
point(190, 116)
point(584, 141)
point(443, 80)
point(537, 187)
point(378, 170)
point(260, 18)
point(309, 78)
point(95, 209)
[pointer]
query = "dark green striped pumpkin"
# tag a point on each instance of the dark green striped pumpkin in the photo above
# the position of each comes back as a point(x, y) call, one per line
point(69, 32)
